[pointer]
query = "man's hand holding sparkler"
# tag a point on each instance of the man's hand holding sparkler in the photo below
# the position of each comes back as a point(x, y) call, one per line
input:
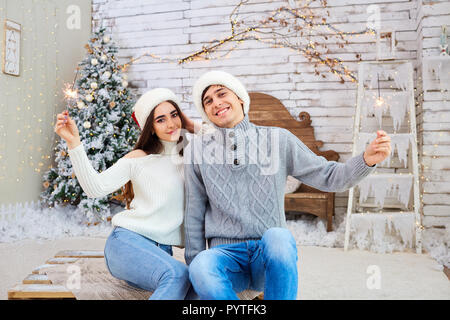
point(379, 149)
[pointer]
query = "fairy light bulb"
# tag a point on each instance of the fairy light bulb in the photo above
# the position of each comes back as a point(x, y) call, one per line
point(379, 102)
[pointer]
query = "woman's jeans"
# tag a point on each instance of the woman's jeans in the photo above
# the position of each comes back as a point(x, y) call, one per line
point(269, 264)
point(146, 264)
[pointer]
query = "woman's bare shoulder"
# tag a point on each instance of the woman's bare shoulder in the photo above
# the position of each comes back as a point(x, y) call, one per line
point(135, 154)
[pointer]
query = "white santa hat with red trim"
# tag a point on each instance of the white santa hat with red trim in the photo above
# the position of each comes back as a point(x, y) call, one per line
point(150, 100)
point(218, 78)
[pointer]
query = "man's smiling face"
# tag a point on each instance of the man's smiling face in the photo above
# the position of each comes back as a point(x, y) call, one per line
point(222, 106)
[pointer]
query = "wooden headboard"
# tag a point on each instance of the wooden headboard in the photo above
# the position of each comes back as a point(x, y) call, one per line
point(266, 110)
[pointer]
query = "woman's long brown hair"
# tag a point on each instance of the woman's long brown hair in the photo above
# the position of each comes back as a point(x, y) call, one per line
point(149, 142)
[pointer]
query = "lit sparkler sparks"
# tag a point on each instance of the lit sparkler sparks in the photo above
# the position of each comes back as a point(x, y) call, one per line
point(69, 91)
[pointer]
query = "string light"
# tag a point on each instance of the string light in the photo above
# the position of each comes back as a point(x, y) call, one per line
point(31, 92)
point(310, 50)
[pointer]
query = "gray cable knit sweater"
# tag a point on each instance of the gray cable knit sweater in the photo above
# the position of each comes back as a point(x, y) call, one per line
point(235, 182)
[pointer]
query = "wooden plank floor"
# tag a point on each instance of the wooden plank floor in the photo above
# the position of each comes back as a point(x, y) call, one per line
point(79, 254)
point(37, 285)
point(61, 260)
point(44, 266)
point(39, 291)
point(36, 279)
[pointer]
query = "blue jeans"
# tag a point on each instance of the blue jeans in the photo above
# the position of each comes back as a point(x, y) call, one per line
point(146, 264)
point(269, 264)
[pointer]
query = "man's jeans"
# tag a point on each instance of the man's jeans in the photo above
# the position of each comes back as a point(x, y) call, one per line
point(146, 264)
point(269, 264)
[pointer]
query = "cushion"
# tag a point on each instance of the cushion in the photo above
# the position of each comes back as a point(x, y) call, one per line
point(292, 184)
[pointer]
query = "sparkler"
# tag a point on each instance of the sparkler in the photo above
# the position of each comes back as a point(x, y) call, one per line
point(380, 101)
point(69, 92)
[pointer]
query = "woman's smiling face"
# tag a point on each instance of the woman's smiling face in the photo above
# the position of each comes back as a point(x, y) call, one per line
point(167, 122)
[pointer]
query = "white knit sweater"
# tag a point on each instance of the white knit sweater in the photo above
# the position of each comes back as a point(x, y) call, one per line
point(157, 209)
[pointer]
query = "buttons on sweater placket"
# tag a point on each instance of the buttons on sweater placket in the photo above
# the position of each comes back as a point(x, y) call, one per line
point(233, 148)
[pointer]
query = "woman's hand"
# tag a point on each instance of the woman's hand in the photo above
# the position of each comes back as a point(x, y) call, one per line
point(191, 125)
point(67, 129)
point(378, 150)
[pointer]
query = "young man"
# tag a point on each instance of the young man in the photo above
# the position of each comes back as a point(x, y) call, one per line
point(235, 179)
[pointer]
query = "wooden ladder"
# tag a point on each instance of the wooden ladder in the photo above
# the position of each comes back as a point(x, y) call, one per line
point(413, 165)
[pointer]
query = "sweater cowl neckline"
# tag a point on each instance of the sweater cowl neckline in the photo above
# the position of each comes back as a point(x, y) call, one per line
point(169, 147)
point(244, 125)
point(240, 130)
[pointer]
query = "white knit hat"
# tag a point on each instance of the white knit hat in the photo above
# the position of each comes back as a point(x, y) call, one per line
point(218, 78)
point(150, 100)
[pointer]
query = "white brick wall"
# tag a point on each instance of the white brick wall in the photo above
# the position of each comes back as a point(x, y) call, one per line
point(433, 118)
point(177, 28)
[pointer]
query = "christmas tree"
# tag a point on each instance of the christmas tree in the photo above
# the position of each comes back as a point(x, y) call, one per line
point(101, 105)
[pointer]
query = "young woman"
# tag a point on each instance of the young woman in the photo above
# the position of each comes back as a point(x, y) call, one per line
point(139, 250)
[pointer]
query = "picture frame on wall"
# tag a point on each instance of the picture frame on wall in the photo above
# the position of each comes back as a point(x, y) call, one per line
point(11, 48)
